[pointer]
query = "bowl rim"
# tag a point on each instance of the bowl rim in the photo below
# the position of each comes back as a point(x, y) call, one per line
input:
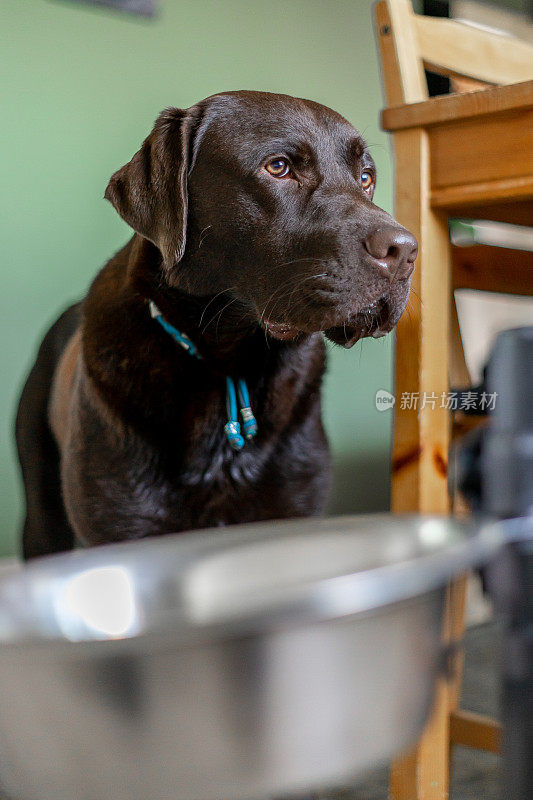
point(28, 595)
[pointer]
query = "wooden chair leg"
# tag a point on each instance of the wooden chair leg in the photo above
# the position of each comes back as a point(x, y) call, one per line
point(422, 419)
point(422, 428)
point(424, 774)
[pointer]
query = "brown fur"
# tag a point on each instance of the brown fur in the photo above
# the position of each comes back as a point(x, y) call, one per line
point(120, 432)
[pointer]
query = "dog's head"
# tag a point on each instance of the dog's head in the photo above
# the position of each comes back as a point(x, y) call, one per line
point(268, 198)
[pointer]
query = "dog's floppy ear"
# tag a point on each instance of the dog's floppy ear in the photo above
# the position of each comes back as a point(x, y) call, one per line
point(150, 192)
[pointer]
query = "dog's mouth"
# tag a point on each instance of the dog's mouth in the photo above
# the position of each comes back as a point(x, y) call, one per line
point(281, 331)
point(374, 321)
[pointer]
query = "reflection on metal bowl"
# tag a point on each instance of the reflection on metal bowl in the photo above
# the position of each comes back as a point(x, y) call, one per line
point(243, 663)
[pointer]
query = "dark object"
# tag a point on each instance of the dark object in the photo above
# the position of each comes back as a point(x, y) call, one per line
point(512, 6)
point(507, 491)
point(507, 457)
point(437, 84)
point(495, 464)
point(475, 401)
point(498, 478)
point(255, 230)
point(511, 582)
point(145, 7)
point(468, 465)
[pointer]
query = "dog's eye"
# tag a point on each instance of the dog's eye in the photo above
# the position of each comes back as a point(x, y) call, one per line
point(278, 167)
point(367, 180)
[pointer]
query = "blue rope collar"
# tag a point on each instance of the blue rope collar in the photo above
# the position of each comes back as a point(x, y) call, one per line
point(237, 396)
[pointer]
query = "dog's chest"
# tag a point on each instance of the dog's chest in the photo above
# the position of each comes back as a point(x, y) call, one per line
point(205, 483)
point(208, 459)
point(174, 469)
point(213, 486)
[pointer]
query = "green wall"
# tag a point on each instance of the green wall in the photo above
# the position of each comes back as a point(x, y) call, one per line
point(80, 88)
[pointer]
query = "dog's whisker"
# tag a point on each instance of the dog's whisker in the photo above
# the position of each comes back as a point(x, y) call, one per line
point(302, 300)
point(310, 277)
point(275, 267)
point(229, 289)
point(203, 235)
point(289, 282)
point(218, 313)
point(291, 285)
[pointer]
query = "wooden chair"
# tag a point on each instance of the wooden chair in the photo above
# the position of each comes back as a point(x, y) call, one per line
point(429, 355)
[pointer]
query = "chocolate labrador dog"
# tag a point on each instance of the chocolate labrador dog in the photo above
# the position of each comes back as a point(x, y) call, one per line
point(184, 391)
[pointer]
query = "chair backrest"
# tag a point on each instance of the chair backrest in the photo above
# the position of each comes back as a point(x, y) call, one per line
point(410, 43)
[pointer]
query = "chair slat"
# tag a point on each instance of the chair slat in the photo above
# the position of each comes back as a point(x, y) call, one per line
point(457, 49)
point(405, 37)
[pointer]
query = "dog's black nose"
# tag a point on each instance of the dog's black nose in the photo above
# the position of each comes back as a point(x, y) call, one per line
point(393, 249)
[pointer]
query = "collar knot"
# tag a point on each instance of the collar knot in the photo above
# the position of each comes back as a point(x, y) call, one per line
point(237, 396)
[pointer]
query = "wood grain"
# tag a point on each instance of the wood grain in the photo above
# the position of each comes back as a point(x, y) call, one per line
point(475, 730)
point(503, 155)
point(453, 48)
point(390, 70)
point(496, 269)
point(422, 349)
point(462, 199)
point(454, 107)
point(471, 155)
point(412, 78)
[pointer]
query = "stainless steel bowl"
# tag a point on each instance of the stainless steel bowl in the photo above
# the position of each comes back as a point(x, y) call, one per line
point(241, 663)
